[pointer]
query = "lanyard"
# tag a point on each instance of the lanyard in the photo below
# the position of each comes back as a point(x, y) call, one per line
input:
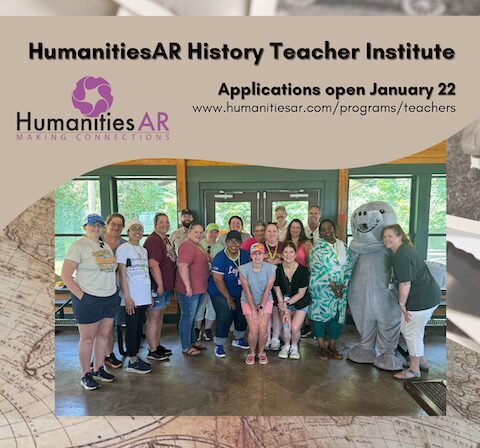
point(141, 259)
point(270, 255)
point(236, 262)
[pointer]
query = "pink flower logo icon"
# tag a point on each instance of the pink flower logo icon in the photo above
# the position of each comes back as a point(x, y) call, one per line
point(104, 91)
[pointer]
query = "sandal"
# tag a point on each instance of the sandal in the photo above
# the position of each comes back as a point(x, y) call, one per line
point(407, 375)
point(199, 346)
point(323, 354)
point(250, 359)
point(423, 367)
point(192, 351)
point(332, 353)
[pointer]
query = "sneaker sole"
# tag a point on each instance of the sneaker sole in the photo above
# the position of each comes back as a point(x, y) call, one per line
point(113, 366)
point(240, 346)
point(220, 356)
point(283, 356)
point(294, 357)
point(103, 380)
point(151, 358)
point(141, 372)
point(249, 363)
point(88, 387)
point(263, 363)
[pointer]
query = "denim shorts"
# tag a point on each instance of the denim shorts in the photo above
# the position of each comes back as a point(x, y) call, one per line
point(292, 308)
point(91, 309)
point(161, 302)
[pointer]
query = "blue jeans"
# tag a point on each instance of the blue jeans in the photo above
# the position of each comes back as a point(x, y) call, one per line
point(188, 308)
point(225, 317)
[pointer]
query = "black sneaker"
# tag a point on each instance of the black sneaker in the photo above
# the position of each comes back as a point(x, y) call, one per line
point(306, 331)
point(88, 382)
point(139, 366)
point(163, 350)
point(198, 334)
point(112, 361)
point(155, 356)
point(102, 375)
point(208, 334)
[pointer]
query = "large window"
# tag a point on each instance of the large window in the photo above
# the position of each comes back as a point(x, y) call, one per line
point(142, 198)
point(395, 191)
point(437, 241)
point(73, 200)
point(224, 210)
point(295, 210)
point(137, 198)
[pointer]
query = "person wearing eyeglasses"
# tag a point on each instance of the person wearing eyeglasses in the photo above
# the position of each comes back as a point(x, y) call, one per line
point(258, 235)
point(205, 308)
point(135, 292)
point(225, 289)
point(112, 236)
point(281, 219)
point(94, 295)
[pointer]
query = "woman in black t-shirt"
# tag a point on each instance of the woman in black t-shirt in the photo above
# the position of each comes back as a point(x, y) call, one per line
point(291, 284)
point(418, 296)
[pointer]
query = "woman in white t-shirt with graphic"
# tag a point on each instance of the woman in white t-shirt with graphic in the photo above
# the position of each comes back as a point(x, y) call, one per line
point(135, 292)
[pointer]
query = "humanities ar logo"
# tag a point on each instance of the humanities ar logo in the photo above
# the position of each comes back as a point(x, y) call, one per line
point(103, 91)
point(92, 97)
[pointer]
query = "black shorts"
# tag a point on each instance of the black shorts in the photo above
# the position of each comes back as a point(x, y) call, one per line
point(91, 309)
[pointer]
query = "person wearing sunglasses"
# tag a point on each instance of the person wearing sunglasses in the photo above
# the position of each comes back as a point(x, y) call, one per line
point(95, 298)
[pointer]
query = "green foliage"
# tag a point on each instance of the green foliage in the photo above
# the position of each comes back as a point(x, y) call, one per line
point(438, 206)
point(295, 210)
point(142, 199)
point(224, 210)
point(394, 191)
point(74, 200)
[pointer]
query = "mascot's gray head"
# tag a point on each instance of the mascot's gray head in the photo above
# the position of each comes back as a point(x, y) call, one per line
point(368, 222)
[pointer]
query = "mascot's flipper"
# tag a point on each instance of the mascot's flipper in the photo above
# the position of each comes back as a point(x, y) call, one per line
point(361, 355)
point(388, 361)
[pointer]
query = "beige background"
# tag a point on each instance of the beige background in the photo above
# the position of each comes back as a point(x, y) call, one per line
point(303, 140)
point(30, 170)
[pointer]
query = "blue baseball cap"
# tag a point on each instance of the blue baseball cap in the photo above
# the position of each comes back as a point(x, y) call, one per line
point(92, 218)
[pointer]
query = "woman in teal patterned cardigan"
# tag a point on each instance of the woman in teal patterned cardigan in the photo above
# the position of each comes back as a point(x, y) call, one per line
point(331, 268)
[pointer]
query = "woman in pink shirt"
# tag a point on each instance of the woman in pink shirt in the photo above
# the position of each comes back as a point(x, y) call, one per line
point(190, 284)
point(296, 234)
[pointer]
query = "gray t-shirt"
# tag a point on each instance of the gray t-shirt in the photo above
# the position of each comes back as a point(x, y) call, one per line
point(257, 281)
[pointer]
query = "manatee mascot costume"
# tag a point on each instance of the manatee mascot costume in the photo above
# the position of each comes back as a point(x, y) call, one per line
point(373, 303)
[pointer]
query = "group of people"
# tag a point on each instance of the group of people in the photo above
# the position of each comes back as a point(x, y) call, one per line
point(262, 287)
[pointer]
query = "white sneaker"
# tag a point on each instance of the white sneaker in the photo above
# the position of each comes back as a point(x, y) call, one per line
point(294, 353)
point(284, 352)
point(275, 344)
point(267, 345)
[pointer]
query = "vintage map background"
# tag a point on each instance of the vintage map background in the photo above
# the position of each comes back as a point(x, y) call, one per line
point(27, 381)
